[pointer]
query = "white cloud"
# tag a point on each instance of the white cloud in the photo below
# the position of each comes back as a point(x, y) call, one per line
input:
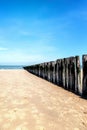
point(21, 57)
point(3, 49)
point(16, 56)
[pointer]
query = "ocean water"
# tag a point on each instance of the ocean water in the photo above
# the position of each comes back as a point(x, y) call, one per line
point(11, 67)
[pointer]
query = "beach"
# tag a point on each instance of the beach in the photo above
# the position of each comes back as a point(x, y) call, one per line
point(28, 102)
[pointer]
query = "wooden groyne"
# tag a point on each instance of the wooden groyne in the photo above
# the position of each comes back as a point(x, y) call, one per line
point(66, 72)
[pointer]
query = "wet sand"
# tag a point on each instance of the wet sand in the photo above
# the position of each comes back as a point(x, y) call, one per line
point(31, 103)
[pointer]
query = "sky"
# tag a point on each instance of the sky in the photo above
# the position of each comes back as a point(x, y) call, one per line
point(35, 31)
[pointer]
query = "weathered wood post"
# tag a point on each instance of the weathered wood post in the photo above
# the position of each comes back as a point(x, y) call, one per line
point(36, 69)
point(84, 61)
point(32, 69)
point(43, 70)
point(29, 69)
point(63, 72)
point(72, 73)
point(40, 70)
point(66, 73)
point(69, 74)
point(78, 86)
point(56, 72)
point(48, 71)
point(59, 71)
point(53, 64)
point(51, 72)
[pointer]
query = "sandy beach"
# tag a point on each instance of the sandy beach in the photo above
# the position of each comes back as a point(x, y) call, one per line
point(31, 103)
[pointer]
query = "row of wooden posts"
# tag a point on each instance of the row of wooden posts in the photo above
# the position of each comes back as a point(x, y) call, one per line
point(66, 72)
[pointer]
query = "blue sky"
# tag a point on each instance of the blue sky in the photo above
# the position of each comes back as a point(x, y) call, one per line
point(34, 31)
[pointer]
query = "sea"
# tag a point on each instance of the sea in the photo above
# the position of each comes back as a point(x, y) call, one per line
point(11, 66)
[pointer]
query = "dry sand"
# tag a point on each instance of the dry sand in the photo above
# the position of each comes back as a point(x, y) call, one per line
point(31, 103)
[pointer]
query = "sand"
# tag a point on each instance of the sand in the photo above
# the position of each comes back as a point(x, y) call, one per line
point(31, 103)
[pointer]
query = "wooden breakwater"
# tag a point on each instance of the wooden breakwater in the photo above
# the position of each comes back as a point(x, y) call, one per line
point(66, 72)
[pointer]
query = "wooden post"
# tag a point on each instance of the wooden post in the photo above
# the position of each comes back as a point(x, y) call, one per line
point(56, 72)
point(51, 72)
point(53, 64)
point(58, 68)
point(72, 73)
point(78, 87)
point(84, 61)
point(43, 70)
point(63, 72)
point(66, 72)
point(40, 70)
point(48, 71)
